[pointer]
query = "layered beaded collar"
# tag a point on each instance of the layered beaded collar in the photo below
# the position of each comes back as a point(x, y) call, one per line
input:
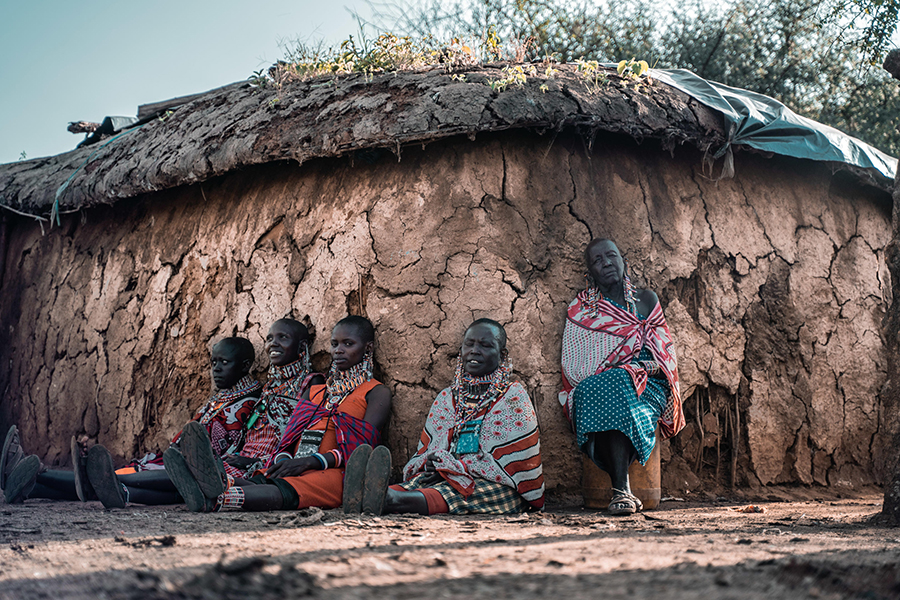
point(279, 376)
point(340, 384)
point(472, 394)
point(592, 296)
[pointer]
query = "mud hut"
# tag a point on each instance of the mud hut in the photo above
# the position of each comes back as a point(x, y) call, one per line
point(423, 201)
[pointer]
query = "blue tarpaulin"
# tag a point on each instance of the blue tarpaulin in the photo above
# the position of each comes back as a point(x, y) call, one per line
point(766, 124)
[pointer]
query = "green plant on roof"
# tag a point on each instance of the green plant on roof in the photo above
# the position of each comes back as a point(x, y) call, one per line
point(516, 75)
point(633, 69)
point(593, 75)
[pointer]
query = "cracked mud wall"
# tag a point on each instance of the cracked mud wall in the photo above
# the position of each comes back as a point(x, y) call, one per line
point(773, 283)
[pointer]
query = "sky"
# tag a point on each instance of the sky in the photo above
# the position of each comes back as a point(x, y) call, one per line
point(83, 60)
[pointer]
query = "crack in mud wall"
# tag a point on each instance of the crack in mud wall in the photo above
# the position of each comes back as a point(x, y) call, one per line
point(773, 283)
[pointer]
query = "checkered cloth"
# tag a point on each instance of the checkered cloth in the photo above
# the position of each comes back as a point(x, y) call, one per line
point(489, 497)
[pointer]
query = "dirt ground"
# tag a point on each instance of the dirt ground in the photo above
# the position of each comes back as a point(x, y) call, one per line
point(820, 547)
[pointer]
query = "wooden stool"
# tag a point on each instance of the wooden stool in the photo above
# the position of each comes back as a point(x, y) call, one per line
point(597, 487)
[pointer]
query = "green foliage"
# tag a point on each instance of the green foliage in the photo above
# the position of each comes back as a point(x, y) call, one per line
point(512, 75)
point(22, 155)
point(866, 25)
point(590, 70)
point(812, 55)
point(534, 29)
point(633, 69)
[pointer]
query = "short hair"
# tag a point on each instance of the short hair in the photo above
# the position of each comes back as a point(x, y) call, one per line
point(241, 346)
point(299, 330)
point(492, 323)
point(362, 325)
point(593, 243)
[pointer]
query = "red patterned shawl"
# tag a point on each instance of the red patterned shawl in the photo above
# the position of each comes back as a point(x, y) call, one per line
point(510, 448)
point(223, 415)
point(593, 343)
point(349, 431)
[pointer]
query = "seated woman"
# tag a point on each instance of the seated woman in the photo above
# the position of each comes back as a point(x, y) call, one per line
point(329, 422)
point(480, 449)
point(287, 345)
point(619, 372)
point(223, 415)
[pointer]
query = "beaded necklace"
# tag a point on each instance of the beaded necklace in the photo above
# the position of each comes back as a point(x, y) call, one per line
point(592, 297)
point(223, 398)
point(340, 384)
point(283, 381)
point(472, 394)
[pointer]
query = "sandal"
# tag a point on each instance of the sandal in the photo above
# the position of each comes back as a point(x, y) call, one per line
point(378, 472)
point(354, 476)
point(21, 479)
point(10, 456)
point(624, 503)
point(101, 473)
point(180, 474)
point(79, 465)
point(205, 466)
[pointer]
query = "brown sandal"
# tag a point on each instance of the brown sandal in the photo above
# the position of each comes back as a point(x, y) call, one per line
point(624, 503)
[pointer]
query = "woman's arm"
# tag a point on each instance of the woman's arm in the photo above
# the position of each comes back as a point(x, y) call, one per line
point(646, 301)
point(378, 410)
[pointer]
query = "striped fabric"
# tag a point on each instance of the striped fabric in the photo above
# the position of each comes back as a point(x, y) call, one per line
point(594, 343)
point(509, 447)
point(281, 393)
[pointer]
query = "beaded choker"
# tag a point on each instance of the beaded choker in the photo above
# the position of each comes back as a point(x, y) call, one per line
point(299, 369)
point(592, 297)
point(340, 384)
point(472, 394)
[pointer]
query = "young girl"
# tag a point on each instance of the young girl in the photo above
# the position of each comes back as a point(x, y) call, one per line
point(143, 481)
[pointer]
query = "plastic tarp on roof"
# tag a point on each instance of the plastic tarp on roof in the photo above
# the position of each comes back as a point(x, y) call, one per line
point(765, 124)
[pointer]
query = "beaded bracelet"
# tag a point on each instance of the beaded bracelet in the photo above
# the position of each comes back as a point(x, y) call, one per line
point(337, 457)
point(322, 460)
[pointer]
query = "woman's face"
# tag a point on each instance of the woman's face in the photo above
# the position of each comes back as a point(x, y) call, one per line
point(605, 264)
point(283, 344)
point(227, 367)
point(481, 352)
point(347, 348)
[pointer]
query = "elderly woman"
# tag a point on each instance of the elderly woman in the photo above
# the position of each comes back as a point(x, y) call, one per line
point(479, 451)
point(619, 373)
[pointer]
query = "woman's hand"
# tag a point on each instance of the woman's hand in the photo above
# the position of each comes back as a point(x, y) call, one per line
point(432, 476)
point(238, 461)
point(430, 459)
point(293, 467)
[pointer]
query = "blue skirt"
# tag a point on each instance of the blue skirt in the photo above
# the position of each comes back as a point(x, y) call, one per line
point(608, 401)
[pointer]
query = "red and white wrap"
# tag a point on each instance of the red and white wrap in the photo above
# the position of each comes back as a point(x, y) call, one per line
point(593, 343)
point(509, 446)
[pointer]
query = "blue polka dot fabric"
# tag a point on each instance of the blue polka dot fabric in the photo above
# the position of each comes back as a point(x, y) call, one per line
point(608, 401)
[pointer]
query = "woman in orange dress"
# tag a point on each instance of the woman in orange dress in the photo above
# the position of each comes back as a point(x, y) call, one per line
point(329, 422)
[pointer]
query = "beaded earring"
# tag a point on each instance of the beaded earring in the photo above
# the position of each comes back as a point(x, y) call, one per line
point(629, 290)
point(304, 355)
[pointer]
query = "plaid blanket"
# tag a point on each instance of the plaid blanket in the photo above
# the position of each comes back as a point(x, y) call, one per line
point(350, 431)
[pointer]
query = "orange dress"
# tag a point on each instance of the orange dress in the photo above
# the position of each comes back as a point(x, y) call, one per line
point(325, 489)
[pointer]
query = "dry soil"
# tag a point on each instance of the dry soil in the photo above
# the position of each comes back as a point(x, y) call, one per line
point(814, 548)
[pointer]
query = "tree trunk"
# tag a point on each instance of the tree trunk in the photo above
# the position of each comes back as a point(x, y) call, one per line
point(891, 509)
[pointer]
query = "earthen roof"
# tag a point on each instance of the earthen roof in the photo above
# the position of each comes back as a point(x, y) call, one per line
point(239, 125)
